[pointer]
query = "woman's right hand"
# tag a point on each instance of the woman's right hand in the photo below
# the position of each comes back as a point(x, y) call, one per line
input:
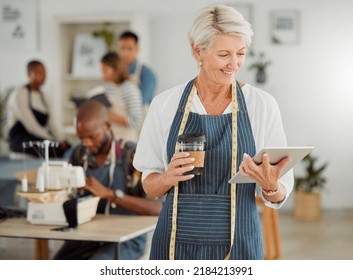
point(179, 164)
point(158, 184)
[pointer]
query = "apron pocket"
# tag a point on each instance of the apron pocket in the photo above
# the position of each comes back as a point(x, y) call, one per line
point(202, 219)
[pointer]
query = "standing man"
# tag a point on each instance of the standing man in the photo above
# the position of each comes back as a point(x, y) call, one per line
point(101, 155)
point(128, 49)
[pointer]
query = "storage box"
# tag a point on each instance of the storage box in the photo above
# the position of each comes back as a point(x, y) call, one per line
point(53, 213)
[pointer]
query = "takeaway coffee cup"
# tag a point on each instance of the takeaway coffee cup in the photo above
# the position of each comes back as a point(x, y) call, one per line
point(194, 143)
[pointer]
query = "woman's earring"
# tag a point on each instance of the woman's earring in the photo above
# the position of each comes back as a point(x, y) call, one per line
point(200, 63)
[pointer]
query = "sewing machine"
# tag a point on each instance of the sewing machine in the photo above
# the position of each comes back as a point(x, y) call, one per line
point(56, 183)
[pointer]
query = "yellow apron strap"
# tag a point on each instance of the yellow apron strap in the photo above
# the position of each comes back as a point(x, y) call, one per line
point(176, 186)
point(233, 187)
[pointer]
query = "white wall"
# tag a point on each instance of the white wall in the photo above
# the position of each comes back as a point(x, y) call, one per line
point(311, 80)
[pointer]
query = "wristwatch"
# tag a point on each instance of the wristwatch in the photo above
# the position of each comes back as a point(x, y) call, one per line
point(119, 194)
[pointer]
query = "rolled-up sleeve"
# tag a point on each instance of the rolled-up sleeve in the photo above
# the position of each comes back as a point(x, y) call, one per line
point(273, 135)
point(149, 152)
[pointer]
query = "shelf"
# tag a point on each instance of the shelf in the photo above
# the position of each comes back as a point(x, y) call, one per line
point(72, 85)
point(69, 129)
point(69, 77)
point(69, 105)
point(95, 19)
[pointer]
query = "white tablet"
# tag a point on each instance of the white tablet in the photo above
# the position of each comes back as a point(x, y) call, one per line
point(275, 154)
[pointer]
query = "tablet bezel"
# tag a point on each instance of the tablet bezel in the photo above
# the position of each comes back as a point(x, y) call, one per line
point(275, 154)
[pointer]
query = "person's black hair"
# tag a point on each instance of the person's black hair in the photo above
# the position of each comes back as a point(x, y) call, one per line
point(129, 34)
point(33, 64)
point(111, 59)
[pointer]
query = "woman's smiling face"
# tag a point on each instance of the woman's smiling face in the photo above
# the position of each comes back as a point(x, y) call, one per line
point(222, 61)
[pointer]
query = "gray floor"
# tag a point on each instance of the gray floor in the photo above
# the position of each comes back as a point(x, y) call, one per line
point(331, 238)
point(328, 239)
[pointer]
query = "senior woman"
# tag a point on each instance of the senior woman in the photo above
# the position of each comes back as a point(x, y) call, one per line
point(205, 217)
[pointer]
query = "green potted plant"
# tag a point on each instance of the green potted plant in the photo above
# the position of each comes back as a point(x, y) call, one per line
point(307, 190)
point(260, 64)
point(107, 35)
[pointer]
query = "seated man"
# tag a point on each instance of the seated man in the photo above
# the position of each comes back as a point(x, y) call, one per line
point(101, 156)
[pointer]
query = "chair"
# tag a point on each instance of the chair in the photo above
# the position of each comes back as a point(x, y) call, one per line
point(270, 231)
point(7, 191)
point(7, 199)
point(146, 254)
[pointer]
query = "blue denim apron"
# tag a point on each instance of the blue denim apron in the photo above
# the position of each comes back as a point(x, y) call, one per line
point(204, 206)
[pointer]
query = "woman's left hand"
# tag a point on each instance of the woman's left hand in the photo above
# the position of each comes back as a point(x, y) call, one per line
point(265, 173)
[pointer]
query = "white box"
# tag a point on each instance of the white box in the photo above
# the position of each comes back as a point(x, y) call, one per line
point(53, 213)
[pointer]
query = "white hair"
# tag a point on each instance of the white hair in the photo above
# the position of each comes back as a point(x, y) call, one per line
point(217, 20)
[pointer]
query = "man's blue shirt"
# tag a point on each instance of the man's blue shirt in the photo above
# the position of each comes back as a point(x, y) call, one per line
point(148, 82)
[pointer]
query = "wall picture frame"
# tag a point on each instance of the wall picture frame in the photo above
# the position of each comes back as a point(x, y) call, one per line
point(87, 53)
point(285, 27)
point(19, 25)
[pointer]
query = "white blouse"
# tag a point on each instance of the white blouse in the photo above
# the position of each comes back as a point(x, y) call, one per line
point(126, 101)
point(265, 119)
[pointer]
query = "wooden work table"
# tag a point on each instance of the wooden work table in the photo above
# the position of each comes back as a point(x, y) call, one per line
point(113, 228)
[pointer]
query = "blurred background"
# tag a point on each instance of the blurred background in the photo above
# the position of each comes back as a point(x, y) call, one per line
point(306, 47)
